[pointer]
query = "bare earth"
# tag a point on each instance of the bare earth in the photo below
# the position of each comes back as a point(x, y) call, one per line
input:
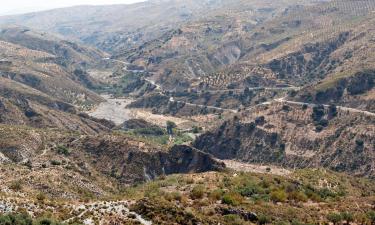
point(256, 168)
point(114, 109)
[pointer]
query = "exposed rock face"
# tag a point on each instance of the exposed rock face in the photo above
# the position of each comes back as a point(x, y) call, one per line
point(132, 161)
point(288, 135)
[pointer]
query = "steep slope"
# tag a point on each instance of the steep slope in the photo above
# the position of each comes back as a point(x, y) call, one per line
point(43, 82)
point(94, 165)
point(297, 136)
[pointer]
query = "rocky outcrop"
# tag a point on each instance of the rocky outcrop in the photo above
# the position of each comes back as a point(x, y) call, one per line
point(294, 137)
point(132, 161)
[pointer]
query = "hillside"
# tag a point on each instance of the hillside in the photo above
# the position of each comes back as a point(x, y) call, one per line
point(234, 112)
point(296, 136)
point(196, 38)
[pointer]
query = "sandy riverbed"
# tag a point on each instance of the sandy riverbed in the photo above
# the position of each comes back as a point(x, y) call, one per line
point(113, 109)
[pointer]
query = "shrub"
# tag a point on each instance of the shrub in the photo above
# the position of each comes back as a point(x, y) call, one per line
point(196, 129)
point(347, 216)
point(264, 219)
point(319, 128)
point(371, 216)
point(249, 190)
point(297, 196)
point(233, 219)
point(260, 120)
point(326, 193)
point(14, 219)
point(318, 112)
point(173, 196)
point(278, 196)
point(332, 111)
point(286, 108)
point(323, 123)
point(197, 192)
point(335, 218)
point(216, 194)
point(359, 142)
point(251, 126)
point(55, 163)
point(62, 150)
point(16, 186)
point(232, 198)
point(41, 196)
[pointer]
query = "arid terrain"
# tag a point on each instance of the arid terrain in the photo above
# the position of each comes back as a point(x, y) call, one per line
point(189, 112)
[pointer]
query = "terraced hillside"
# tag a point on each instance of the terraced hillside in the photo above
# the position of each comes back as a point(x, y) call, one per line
point(196, 38)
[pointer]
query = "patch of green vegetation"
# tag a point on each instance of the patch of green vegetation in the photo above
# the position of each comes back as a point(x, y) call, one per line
point(62, 150)
point(272, 198)
point(197, 192)
point(25, 219)
point(159, 136)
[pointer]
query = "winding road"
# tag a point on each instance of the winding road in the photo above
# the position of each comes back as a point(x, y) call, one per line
point(342, 108)
point(160, 89)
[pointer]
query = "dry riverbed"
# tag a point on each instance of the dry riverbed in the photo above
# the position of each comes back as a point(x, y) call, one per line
point(113, 109)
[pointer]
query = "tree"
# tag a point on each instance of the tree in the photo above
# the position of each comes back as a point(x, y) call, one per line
point(332, 111)
point(170, 126)
point(318, 112)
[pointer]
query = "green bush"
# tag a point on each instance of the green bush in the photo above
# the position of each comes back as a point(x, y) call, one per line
point(231, 198)
point(24, 219)
point(297, 196)
point(264, 219)
point(278, 196)
point(197, 192)
point(249, 190)
point(371, 216)
point(62, 150)
point(347, 216)
point(13, 219)
point(335, 218)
